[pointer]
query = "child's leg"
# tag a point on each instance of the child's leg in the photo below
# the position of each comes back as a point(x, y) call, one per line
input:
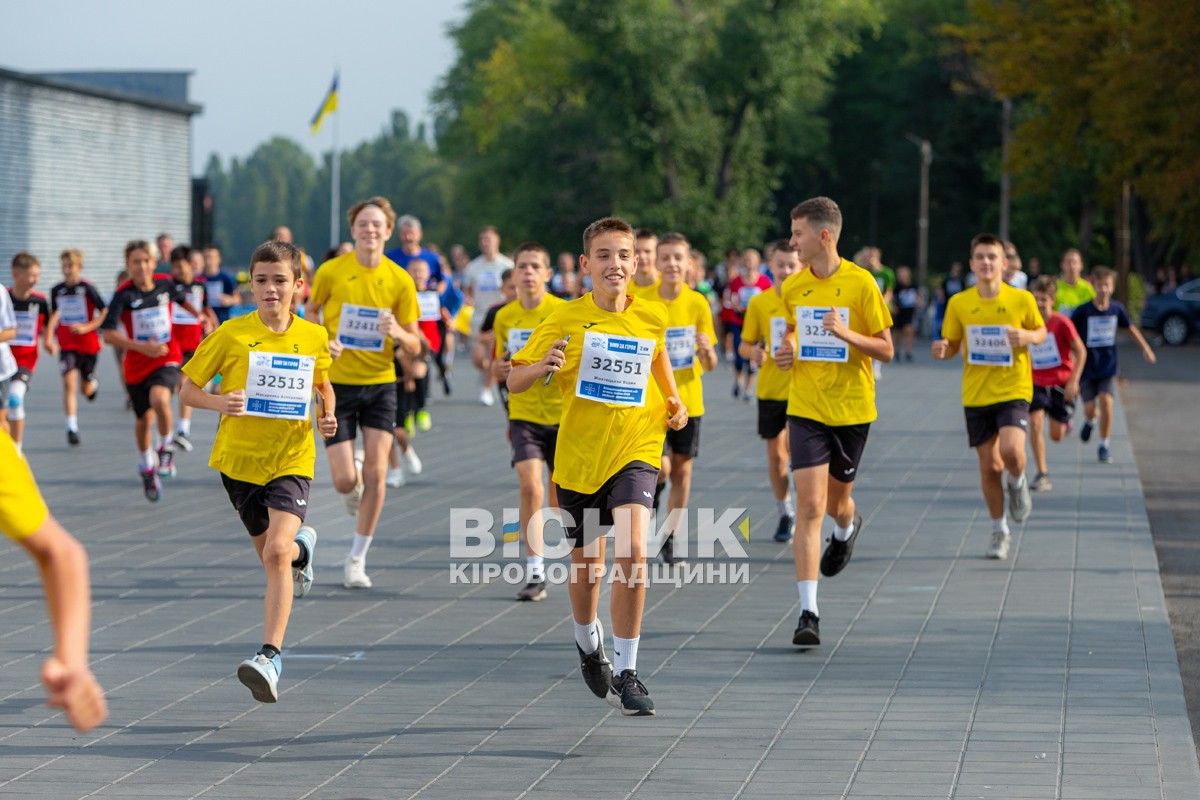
point(631, 523)
point(838, 502)
point(1036, 442)
point(991, 467)
point(1057, 430)
point(812, 500)
point(681, 482)
point(277, 549)
point(1105, 402)
point(777, 465)
point(70, 387)
point(1012, 450)
point(583, 585)
point(529, 475)
point(160, 402)
point(1089, 410)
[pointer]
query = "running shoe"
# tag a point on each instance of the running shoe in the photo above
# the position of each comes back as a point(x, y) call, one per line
point(533, 592)
point(410, 425)
point(413, 461)
point(395, 478)
point(183, 441)
point(630, 696)
point(72, 438)
point(354, 574)
point(1019, 501)
point(837, 554)
point(95, 391)
point(1085, 432)
point(166, 462)
point(668, 551)
point(447, 385)
point(808, 630)
point(1041, 483)
point(261, 676)
point(151, 486)
point(487, 397)
point(1000, 544)
point(1103, 455)
point(352, 498)
point(596, 668)
point(424, 421)
point(302, 577)
point(737, 390)
point(783, 531)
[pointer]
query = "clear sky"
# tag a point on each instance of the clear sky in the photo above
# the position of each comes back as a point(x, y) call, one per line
point(260, 67)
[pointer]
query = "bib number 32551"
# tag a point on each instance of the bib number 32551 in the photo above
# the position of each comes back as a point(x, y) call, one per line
point(614, 369)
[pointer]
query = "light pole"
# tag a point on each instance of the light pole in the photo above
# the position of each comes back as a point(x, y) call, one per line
point(923, 218)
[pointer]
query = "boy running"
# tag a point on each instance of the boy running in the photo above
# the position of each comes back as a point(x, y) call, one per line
point(1073, 290)
point(605, 346)
point(1098, 321)
point(1057, 366)
point(763, 332)
point(369, 308)
point(77, 311)
point(139, 322)
point(270, 361)
point(646, 279)
point(532, 415)
point(838, 324)
point(994, 325)
point(187, 328)
point(32, 311)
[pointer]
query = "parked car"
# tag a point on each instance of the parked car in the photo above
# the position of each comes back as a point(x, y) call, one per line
point(1174, 315)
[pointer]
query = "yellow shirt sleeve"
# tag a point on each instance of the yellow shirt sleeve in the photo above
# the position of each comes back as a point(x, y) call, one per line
point(952, 329)
point(22, 509)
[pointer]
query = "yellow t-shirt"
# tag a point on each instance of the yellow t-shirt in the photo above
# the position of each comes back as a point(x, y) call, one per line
point(987, 381)
point(687, 315)
point(766, 321)
point(1070, 297)
point(650, 291)
point(343, 281)
point(514, 324)
point(833, 392)
point(259, 449)
point(596, 438)
point(22, 509)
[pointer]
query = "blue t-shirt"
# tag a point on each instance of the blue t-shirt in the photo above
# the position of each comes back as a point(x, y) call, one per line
point(228, 286)
point(1098, 329)
point(428, 256)
point(452, 299)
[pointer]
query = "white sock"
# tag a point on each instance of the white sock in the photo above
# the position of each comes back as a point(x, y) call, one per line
point(168, 441)
point(20, 447)
point(587, 637)
point(843, 534)
point(1018, 483)
point(184, 427)
point(1000, 525)
point(149, 460)
point(73, 423)
point(358, 548)
point(624, 654)
point(535, 568)
point(1104, 442)
point(808, 596)
point(786, 507)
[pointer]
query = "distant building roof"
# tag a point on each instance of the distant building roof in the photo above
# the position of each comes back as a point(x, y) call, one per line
point(162, 90)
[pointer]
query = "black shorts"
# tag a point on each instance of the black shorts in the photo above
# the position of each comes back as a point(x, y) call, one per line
point(903, 317)
point(286, 493)
point(187, 356)
point(139, 393)
point(684, 442)
point(371, 406)
point(815, 443)
point(984, 422)
point(772, 418)
point(633, 483)
point(1089, 389)
point(1052, 400)
point(24, 375)
point(70, 360)
point(531, 440)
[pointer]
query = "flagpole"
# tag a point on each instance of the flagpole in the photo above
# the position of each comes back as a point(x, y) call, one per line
point(335, 182)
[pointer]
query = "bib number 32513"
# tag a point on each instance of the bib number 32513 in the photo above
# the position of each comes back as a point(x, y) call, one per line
point(279, 386)
point(614, 369)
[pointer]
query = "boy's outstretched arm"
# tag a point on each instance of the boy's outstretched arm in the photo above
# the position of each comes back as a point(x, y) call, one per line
point(664, 376)
point(1147, 353)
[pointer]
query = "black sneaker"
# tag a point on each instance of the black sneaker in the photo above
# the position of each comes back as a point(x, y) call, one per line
point(597, 669)
point(72, 438)
point(533, 592)
point(1085, 432)
point(151, 486)
point(808, 630)
point(837, 554)
point(668, 551)
point(183, 441)
point(630, 696)
point(783, 532)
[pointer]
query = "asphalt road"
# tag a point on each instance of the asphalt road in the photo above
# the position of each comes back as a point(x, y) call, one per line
point(1161, 407)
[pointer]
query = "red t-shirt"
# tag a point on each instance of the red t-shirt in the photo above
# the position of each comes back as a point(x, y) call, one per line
point(184, 327)
point(740, 291)
point(32, 315)
point(146, 316)
point(1060, 332)
point(76, 305)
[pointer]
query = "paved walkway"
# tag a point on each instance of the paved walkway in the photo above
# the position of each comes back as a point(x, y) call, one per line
point(942, 674)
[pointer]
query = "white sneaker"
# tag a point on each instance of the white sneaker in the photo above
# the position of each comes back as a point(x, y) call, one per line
point(413, 460)
point(354, 574)
point(487, 397)
point(354, 497)
point(395, 478)
point(999, 548)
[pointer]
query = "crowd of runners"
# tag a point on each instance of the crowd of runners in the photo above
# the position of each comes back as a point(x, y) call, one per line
point(600, 362)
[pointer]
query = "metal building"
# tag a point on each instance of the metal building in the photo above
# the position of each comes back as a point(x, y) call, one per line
point(92, 160)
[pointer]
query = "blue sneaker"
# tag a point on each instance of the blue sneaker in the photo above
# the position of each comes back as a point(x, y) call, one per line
point(1085, 432)
point(261, 676)
point(1105, 456)
point(302, 577)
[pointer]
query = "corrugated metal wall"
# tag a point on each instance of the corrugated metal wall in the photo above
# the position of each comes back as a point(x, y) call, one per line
point(88, 172)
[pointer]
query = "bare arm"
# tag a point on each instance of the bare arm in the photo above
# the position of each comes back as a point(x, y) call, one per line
point(706, 352)
point(327, 423)
point(664, 376)
point(523, 376)
point(943, 349)
point(115, 338)
point(1020, 337)
point(232, 404)
point(1147, 353)
point(7, 334)
point(1078, 360)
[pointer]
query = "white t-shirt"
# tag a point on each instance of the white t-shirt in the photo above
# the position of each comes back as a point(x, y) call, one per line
point(483, 277)
point(8, 319)
point(1019, 280)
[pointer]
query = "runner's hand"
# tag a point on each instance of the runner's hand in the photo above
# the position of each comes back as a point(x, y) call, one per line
point(554, 360)
point(678, 412)
point(1071, 391)
point(335, 348)
point(327, 425)
point(501, 368)
point(152, 349)
point(834, 325)
point(1016, 337)
point(233, 404)
point(76, 692)
point(785, 355)
point(939, 349)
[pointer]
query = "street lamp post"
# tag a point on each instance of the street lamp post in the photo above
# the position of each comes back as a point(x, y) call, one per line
point(923, 218)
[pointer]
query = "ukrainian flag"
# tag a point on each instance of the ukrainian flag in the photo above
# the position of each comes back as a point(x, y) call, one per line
point(328, 105)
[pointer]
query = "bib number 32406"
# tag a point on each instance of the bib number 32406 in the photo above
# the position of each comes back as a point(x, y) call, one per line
point(988, 346)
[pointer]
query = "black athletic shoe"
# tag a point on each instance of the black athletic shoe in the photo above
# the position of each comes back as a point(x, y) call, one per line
point(837, 554)
point(668, 551)
point(630, 696)
point(72, 438)
point(1085, 432)
point(783, 532)
point(597, 669)
point(183, 441)
point(151, 486)
point(808, 630)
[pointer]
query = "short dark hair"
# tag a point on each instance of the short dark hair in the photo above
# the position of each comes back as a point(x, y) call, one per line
point(1101, 274)
point(605, 225)
point(506, 274)
point(644, 233)
point(1044, 284)
point(140, 244)
point(674, 237)
point(213, 246)
point(990, 239)
point(778, 246)
point(180, 253)
point(821, 212)
point(533, 247)
point(380, 202)
point(278, 253)
point(23, 261)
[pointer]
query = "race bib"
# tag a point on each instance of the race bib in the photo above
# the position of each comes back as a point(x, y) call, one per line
point(213, 291)
point(279, 386)
point(152, 324)
point(430, 305)
point(747, 293)
point(517, 337)
point(27, 323)
point(195, 296)
point(489, 281)
point(72, 310)
point(1102, 331)
point(987, 346)
point(813, 341)
point(681, 346)
point(358, 328)
point(614, 369)
point(778, 331)
point(1045, 355)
